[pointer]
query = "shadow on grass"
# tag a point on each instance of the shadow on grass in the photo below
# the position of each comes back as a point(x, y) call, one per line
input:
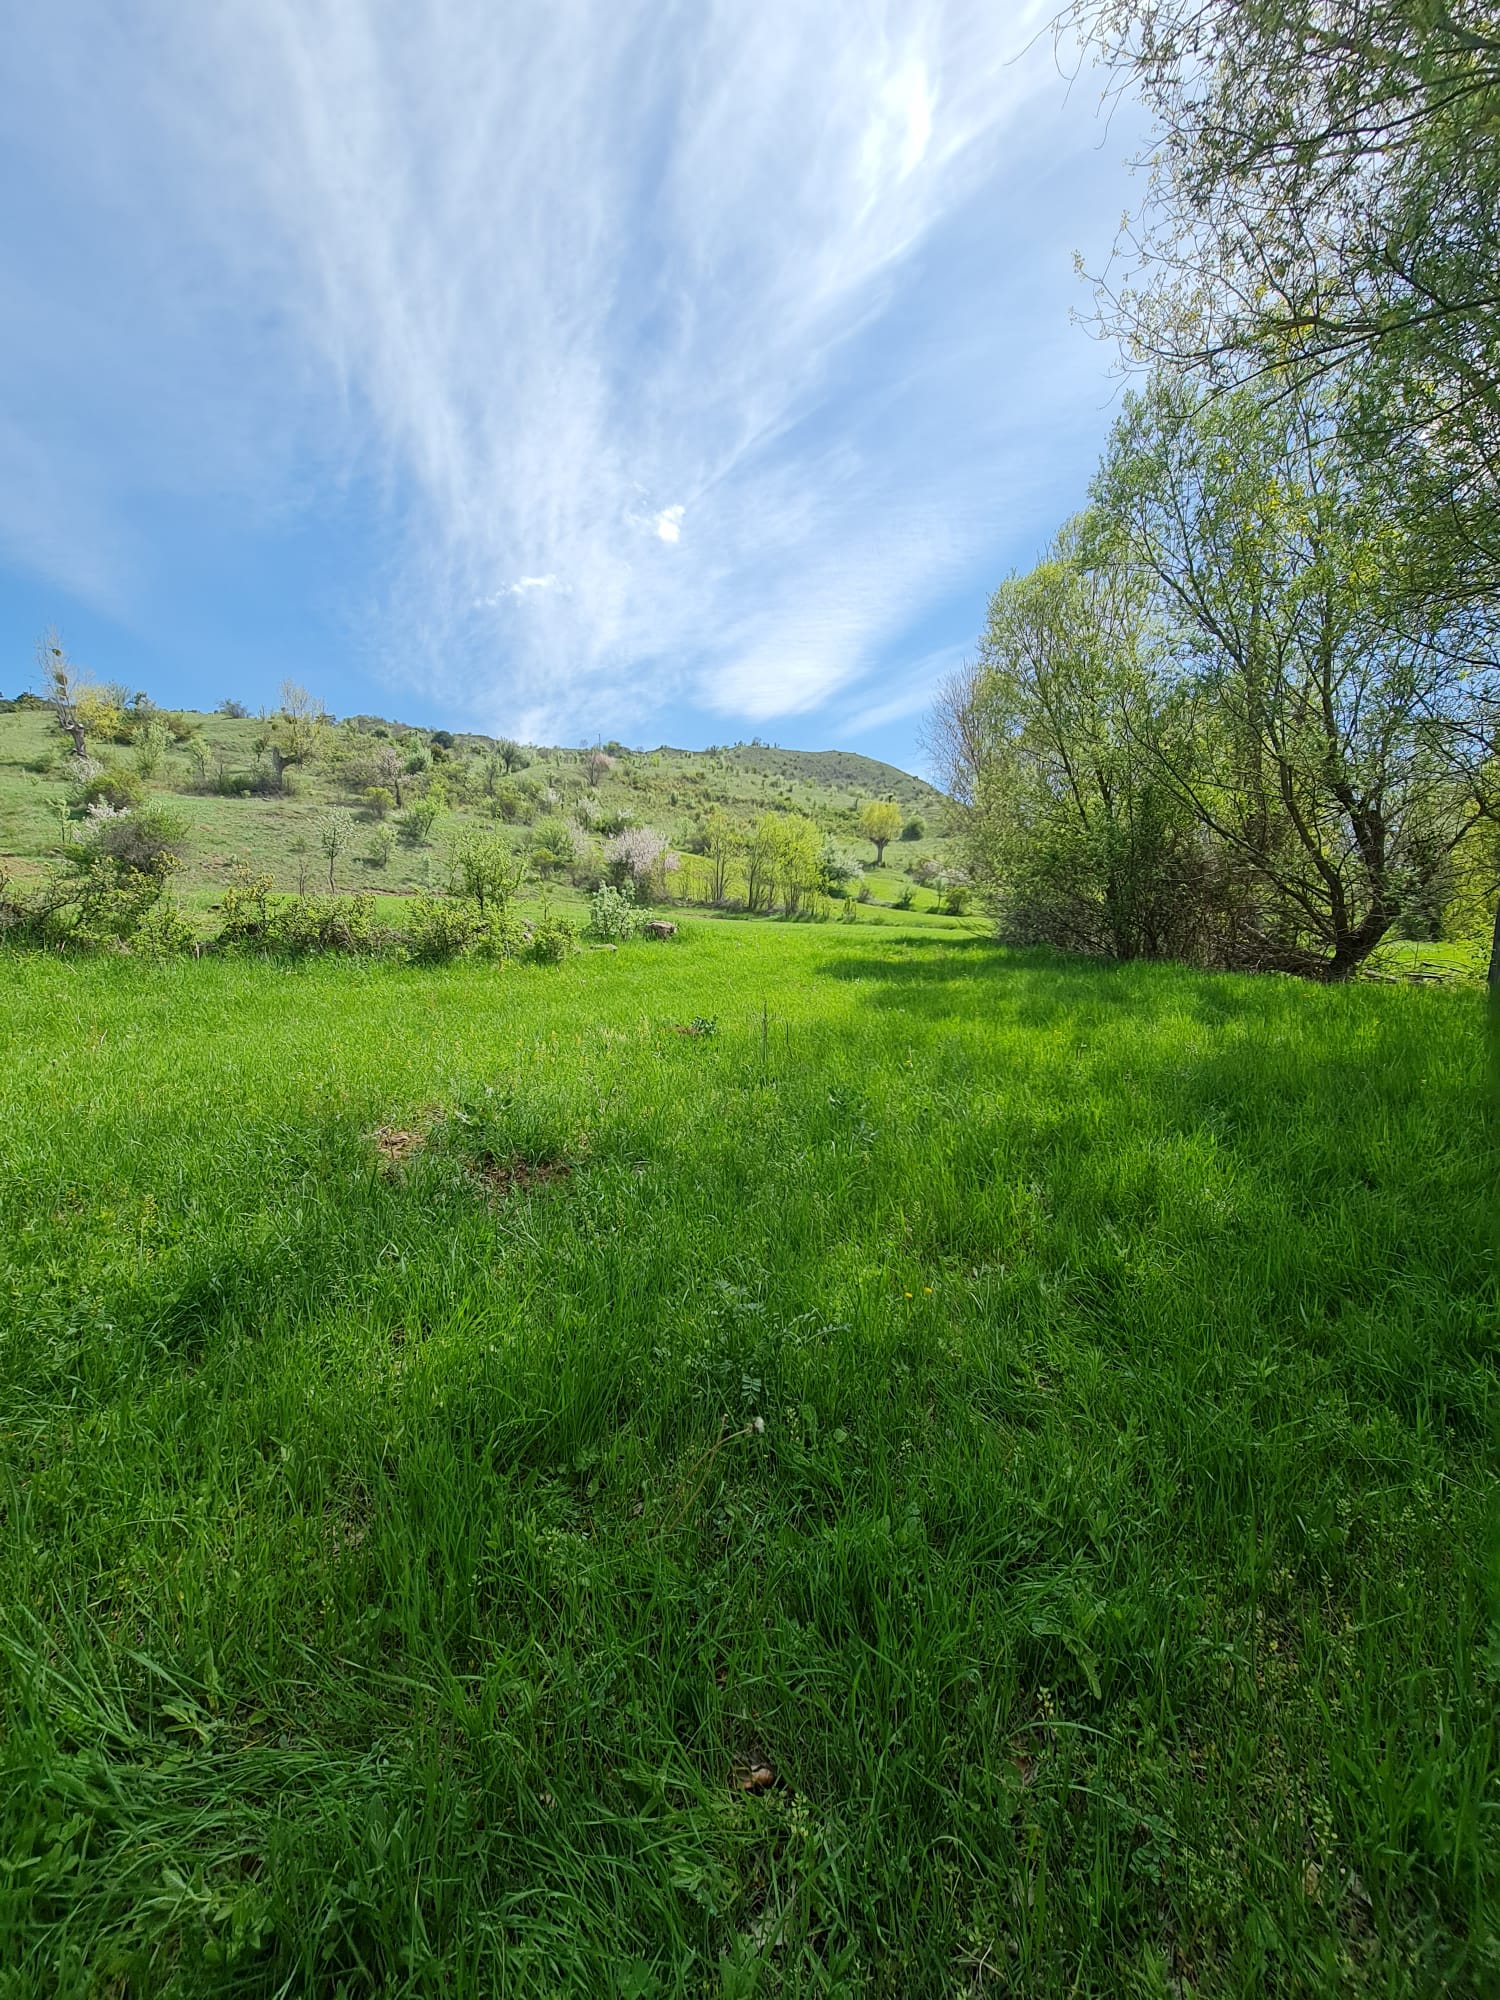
point(955, 976)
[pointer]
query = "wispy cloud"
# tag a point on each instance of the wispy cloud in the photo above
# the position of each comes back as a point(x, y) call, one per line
point(597, 298)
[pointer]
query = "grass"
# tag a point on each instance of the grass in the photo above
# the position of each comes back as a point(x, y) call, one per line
point(970, 1473)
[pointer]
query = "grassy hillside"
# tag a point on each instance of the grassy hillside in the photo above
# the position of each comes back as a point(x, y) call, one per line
point(795, 1461)
point(219, 777)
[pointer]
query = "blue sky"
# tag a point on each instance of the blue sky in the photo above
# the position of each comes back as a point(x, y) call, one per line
point(678, 372)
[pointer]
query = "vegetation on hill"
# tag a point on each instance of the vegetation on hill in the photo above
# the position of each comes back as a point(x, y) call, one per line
point(293, 802)
point(808, 1461)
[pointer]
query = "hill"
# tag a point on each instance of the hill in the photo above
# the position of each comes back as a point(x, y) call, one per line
point(254, 791)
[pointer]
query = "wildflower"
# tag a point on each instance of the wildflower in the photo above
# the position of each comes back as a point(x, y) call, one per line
point(757, 1424)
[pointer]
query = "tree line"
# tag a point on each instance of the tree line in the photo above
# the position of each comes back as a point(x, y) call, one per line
point(1244, 712)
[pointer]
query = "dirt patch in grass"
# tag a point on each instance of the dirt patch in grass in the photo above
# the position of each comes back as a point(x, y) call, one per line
point(396, 1144)
point(515, 1175)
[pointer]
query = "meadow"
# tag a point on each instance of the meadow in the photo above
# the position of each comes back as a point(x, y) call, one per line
point(798, 1460)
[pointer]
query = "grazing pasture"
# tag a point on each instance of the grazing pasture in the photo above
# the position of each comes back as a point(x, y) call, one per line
point(801, 1460)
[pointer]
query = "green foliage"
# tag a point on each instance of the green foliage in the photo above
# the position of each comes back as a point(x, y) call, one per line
point(880, 823)
point(419, 819)
point(150, 740)
point(116, 786)
point(382, 846)
point(914, 828)
point(554, 845)
point(485, 869)
point(613, 915)
point(437, 929)
point(553, 939)
point(335, 836)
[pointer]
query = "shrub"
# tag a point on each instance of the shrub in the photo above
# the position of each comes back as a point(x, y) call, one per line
point(164, 931)
point(379, 799)
point(382, 843)
point(245, 908)
point(613, 916)
point(956, 899)
point(146, 841)
point(419, 819)
point(552, 940)
point(235, 710)
point(114, 786)
point(150, 740)
point(554, 845)
point(914, 828)
point(907, 897)
point(439, 929)
point(301, 926)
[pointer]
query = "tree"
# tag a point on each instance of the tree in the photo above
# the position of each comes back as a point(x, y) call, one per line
point(485, 870)
point(150, 743)
point(1050, 743)
point(299, 726)
point(61, 686)
point(643, 857)
point(880, 823)
point(335, 834)
point(722, 842)
point(1324, 194)
point(512, 754)
point(1320, 686)
point(419, 819)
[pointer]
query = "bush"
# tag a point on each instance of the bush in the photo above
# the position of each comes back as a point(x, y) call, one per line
point(382, 844)
point(115, 786)
point(299, 926)
point(956, 899)
point(164, 931)
point(914, 828)
point(146, 841)
point(439, 929)
point(613, 916)
point(418, 821)
point(907, 897)
point(552, 940)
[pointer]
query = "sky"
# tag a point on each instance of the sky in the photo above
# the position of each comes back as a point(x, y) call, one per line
point(679, 373)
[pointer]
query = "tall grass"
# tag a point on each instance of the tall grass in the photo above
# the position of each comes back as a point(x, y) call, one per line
point(968, 1473)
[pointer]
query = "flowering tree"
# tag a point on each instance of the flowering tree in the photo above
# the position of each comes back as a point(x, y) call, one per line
point(642, 857)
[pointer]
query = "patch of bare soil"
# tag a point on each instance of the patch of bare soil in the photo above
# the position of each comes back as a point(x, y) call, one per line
point(515, 1175)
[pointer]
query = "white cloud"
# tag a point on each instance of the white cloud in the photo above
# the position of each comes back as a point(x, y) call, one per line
point(521, 274)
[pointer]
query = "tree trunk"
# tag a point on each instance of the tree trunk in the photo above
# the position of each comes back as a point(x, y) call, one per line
point(1495, 956)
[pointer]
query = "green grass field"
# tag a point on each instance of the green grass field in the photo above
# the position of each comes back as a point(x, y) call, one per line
point(969, 1473)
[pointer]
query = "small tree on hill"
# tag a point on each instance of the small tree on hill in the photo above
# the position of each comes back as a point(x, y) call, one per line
point(880, 822)
point(62, 685)
point(335, 833)
point(485, 870)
